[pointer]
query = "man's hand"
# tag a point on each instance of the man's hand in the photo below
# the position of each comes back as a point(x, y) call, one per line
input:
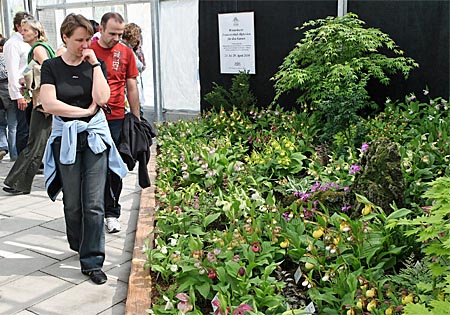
point(22, 104)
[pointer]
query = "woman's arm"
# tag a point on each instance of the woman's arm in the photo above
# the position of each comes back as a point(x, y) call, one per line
point(100, 87)
point(40, 54)
point(53, 106)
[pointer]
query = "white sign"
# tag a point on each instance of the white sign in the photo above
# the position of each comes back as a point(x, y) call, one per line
point(237, 42)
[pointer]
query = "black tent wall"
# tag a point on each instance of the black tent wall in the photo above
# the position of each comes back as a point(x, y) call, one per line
point(420, 28)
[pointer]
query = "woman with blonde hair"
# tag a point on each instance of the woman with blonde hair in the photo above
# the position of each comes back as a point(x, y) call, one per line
point(20, 177)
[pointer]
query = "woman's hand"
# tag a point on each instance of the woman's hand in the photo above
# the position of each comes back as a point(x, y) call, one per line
point(89, 56)
point(92, 109)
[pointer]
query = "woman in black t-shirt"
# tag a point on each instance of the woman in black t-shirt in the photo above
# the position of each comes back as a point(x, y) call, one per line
point(73, 86)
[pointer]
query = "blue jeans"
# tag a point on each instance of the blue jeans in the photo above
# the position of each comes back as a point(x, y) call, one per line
point(83, 186)
point(112, 206)
point(8, 122)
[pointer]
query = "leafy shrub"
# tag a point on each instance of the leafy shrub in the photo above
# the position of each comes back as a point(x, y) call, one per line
point(332, 65)
point(239, 96)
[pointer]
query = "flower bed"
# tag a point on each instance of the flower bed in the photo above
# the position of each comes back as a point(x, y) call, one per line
point(251, 220)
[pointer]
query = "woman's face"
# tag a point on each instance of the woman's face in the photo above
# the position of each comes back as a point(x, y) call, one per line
point(29, 34)
point(79, 41)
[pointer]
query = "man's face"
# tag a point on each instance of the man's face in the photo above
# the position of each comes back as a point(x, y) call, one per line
point(111, 34)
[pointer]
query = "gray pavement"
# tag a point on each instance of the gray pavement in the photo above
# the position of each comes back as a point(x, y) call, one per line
point(39, 274)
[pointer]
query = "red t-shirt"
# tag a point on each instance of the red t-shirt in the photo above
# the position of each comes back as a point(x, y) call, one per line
point(120, 65)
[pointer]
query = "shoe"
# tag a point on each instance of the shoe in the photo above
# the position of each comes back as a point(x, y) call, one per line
point(112, 225)
point(97, 276)
point(2, 154)
point(13, 191)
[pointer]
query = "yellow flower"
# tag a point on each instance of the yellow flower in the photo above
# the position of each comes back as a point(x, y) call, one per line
point(309, 266)
point(351, 312)
point(284, 244)
point(370, 293)
point(360, 304)
point(407, 299)
point(367, 210)
point(372, 305)
point(389, 310)
point(318, 233)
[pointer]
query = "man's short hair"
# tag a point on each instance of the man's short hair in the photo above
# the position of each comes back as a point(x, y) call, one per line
point(111, 15)
point(19, 17)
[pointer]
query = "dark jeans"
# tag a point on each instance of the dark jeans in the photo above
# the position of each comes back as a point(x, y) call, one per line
point(83, 184)
point(23, 122)
point(22, 173)
point(112, 206)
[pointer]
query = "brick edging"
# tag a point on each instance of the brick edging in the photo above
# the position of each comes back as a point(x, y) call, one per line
point(139, 282)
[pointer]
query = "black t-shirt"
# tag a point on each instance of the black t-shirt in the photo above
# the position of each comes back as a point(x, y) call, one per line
point(73, 84)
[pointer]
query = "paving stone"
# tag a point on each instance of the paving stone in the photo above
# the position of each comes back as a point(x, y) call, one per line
point(18, 265)
point(20, 222)
point(59, 224)
point(115, 310)
point(18, 295)
point(68, 270)
point(38, 239)
point(83, 299)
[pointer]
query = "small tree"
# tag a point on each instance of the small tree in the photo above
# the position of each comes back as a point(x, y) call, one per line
point(239, 96)
point(332, 65)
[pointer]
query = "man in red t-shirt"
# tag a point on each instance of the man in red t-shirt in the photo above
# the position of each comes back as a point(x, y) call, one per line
point(122, 72)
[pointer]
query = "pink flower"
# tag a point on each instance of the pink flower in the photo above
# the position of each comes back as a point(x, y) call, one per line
point(364, 147)
point(240, 310)
point(212, 273)
point(255, 247)
point(184, 306)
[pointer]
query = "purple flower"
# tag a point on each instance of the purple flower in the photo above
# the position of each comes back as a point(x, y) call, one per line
point(285, 216)
point(364, 147)
point(354, 168)
point(346, 208)
point(346, 188)
point(315, 187)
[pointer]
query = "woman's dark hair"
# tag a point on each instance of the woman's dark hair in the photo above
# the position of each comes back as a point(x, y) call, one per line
point(94, 25)
point(72, 22)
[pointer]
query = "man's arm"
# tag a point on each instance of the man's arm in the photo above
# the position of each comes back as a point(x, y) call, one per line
point(133, 97)
point(12, 58)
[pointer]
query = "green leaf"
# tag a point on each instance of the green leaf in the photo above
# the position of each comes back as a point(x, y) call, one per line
point(204, 289)
point(210, 218)
point(398, 214)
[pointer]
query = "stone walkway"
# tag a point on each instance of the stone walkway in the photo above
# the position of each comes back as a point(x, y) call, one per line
point(39, 274)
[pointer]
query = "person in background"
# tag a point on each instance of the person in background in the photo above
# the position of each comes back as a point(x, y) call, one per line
point(8, 119)
point(122, 73)
point(16, 52)
point(21, 175)
point(96, 27)
point(132, 37)
point(80, 149)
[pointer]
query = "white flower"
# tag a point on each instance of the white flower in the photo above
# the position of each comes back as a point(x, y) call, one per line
point(173, 242)
point(425, 92)
point(164, 250)
point(169, 304)
point(173, 268)
point(326, 277)
point(305, 283)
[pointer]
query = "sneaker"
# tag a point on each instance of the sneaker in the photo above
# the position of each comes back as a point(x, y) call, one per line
point(112, 225)
point(2, 154)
